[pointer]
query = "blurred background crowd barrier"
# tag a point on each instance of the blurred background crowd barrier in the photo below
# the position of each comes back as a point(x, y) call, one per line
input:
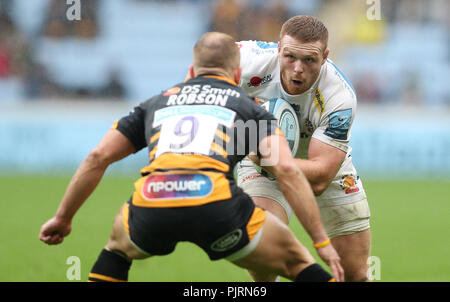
point(64, 82)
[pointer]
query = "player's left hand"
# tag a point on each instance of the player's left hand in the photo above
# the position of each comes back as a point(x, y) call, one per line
point(329, 255)
point(54, 231)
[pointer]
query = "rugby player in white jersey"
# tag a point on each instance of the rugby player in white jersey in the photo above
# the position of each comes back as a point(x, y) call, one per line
point(298, 70)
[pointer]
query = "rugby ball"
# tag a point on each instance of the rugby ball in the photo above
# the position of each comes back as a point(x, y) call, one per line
point(287, 120)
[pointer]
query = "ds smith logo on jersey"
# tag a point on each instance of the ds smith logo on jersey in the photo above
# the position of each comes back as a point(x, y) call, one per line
point(170, 186)
point(199, 94)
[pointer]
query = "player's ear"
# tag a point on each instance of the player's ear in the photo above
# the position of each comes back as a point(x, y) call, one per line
point(279, 46)
point(191, 71)
point(325, 55)
point(237, 74)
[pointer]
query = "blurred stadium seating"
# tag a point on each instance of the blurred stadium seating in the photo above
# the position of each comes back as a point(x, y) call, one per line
point(152, 51)
point(403, 53)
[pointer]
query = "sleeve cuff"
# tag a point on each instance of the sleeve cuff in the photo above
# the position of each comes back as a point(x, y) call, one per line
point(332, 142)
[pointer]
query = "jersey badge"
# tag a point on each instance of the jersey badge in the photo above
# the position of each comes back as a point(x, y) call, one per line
point(349, 184)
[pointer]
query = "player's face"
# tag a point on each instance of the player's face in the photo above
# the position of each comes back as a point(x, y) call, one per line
point(300, 63)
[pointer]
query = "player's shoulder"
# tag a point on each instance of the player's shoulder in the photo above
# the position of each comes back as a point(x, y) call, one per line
point(260, 47)
point(257, 52)
point(150, 103)
point(259, 62)
point(334, 85)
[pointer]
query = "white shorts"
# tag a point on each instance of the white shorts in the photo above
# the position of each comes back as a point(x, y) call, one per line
point(338, 220)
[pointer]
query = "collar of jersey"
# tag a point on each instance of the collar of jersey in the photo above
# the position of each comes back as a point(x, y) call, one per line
point(214, 76)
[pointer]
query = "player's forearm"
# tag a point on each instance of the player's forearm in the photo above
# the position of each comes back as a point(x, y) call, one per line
point(318, 176)
point(300, 196)
point(294, 186)
point(83, 183)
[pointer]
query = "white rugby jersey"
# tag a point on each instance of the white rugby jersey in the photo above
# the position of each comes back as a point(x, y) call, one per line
point(325, 112)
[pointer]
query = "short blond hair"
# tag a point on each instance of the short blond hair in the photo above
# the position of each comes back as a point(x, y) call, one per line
point(305, 29)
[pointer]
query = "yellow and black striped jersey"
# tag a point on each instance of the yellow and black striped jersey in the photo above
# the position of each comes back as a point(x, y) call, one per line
point(206, 123)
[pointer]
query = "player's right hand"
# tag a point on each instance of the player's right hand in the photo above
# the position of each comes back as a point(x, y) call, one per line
point(54, 231)
point(329, 255)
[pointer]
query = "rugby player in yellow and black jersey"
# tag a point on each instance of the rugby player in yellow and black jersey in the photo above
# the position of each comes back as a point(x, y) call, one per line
point(196, 132)
point(194, 141)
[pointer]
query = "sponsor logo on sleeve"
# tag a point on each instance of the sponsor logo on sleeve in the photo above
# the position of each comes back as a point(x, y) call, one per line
point(266, 45)
point(339, 124)
point(264, 48)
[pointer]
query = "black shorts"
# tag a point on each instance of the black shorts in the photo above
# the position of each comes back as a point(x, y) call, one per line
point(220, 228)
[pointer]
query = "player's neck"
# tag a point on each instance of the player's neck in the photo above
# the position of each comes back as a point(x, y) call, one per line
point(217, 72)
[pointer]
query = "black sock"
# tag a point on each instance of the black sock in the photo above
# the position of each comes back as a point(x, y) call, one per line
point(314, 273)
point(110, 267)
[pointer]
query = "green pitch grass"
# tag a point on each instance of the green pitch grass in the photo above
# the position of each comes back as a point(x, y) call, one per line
point(410, 233)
